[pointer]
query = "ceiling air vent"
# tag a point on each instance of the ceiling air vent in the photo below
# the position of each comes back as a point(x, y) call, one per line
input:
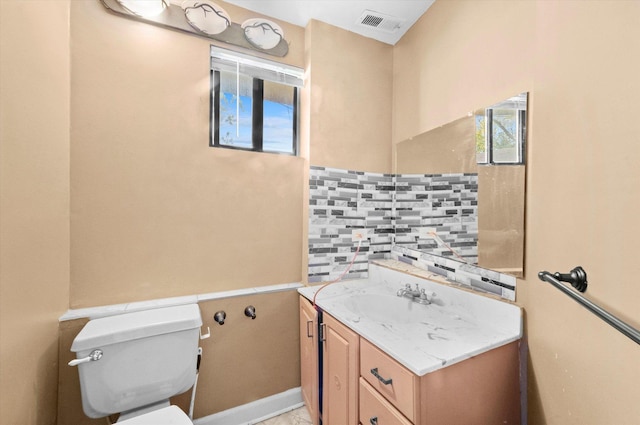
point(379, 21)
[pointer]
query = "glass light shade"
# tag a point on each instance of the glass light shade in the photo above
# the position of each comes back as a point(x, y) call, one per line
point(143, 8)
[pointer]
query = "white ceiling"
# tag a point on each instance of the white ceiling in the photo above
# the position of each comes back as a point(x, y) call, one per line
point(342, 13)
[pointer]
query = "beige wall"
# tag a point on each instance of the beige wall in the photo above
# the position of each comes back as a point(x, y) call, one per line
point(156, 212)
point(351, 96)
point(439, 71)
point(34, 207)
point(580, 62)
point(347, 99)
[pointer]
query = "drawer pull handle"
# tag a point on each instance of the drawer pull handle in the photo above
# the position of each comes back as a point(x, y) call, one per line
point(375, 373)
point(374, 420)
point(309, 332)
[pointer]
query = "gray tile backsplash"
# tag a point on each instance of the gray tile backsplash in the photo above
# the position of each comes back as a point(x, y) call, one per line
point(341, 201)
point(391, 209)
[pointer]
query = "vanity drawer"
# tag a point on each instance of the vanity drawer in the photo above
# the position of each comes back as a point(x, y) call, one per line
point(375, 410)
point(397, 384)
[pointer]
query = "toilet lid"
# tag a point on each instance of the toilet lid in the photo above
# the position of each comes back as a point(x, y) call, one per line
point(171, 415)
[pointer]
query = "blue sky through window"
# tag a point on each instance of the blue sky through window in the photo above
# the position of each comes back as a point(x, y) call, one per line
point(277, 124)
point(277, 127)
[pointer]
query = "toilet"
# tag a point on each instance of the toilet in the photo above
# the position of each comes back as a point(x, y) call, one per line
point(133, 363)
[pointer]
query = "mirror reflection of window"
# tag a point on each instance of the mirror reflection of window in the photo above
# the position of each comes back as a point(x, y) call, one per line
point(482, 155)
point(500, 132)
point(505, 142)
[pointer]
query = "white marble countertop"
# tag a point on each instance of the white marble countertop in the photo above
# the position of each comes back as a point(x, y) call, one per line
point(424, 338)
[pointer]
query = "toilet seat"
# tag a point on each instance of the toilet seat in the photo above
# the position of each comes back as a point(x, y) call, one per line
point(171, 415)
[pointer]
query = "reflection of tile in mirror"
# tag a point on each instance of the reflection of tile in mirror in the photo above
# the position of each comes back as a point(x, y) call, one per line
point(451, 148)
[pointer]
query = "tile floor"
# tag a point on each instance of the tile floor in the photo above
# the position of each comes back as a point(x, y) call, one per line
point(298, 416)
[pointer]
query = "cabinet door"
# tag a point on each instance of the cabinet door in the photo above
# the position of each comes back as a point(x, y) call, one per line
point(340, 373)
point(309, 358)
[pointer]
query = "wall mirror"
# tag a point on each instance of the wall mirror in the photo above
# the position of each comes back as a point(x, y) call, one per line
point(461, 188)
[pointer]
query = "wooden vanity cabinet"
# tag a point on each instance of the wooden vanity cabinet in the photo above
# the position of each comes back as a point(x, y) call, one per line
point(484, 389)
point(340, 368)
point(309, 358)
point(363, 385)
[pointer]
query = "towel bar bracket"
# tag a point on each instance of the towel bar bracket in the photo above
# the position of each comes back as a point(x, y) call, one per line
point(576, 277)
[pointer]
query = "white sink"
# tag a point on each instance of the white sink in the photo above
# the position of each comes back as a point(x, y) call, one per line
point(385, 308)
point(457, 324)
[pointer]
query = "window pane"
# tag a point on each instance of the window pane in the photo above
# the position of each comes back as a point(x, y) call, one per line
point(278, 121)
point(505, 136)
point(235, 110)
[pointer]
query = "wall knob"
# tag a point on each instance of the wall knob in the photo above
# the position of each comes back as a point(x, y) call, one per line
point(250, 311)
point(220, 316)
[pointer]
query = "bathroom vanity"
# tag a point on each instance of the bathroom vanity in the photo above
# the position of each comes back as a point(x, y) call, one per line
point(373, 354)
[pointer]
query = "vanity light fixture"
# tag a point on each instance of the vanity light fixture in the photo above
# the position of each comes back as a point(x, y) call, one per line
point(204, 18)
point(144, 8)
point(262, 33)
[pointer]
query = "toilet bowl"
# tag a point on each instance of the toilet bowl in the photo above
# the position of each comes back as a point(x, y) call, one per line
point(171, 415)
point(133, 363)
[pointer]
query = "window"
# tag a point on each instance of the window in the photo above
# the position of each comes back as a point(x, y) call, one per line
point(254, 103)
point(501, 131)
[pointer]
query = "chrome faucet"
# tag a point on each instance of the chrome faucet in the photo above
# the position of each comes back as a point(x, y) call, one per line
point(407, 292)
point(418, 295)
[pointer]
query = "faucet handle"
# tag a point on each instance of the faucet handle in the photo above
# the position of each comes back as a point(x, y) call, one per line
point(425, 296)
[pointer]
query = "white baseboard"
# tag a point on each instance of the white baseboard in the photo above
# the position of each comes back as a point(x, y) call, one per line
point(256, 411)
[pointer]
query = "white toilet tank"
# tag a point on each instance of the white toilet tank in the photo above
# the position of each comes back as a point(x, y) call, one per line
point(147, 357)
